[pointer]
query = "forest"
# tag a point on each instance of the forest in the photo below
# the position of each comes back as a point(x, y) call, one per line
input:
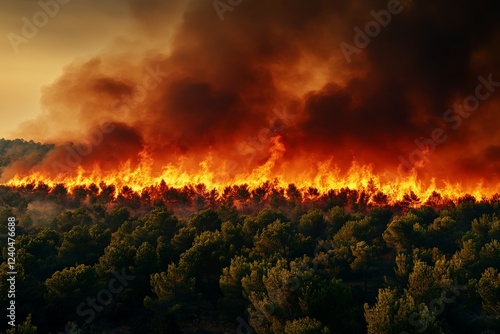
point(250, 167)
point(95, 259)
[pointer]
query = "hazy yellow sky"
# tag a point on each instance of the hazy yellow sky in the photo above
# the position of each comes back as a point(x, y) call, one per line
point(79, 29)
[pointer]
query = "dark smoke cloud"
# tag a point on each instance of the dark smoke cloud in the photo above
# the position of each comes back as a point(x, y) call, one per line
point(225, 78)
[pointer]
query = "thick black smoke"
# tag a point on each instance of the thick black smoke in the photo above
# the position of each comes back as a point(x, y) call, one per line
point(213, 85)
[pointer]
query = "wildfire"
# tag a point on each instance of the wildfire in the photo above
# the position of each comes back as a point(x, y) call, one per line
point(319, 178)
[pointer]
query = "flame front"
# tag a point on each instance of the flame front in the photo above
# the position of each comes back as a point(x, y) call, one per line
point(320, 178)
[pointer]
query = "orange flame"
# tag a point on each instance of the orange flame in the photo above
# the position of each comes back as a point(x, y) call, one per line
point(323, 176)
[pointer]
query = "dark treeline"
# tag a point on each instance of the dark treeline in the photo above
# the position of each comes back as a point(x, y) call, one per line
point(29, 152)
point(96, 259)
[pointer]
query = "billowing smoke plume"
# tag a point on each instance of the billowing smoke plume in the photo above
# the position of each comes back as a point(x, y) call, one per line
point(332, 78)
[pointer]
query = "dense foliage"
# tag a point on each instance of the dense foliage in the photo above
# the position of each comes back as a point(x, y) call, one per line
point(97, 260)
point(24, 153)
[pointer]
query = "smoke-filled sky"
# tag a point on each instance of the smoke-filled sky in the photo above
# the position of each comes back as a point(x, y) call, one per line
point(221, 77)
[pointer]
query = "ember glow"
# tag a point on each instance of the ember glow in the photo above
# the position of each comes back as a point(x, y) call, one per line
point(319, 178)
point(243, 100)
